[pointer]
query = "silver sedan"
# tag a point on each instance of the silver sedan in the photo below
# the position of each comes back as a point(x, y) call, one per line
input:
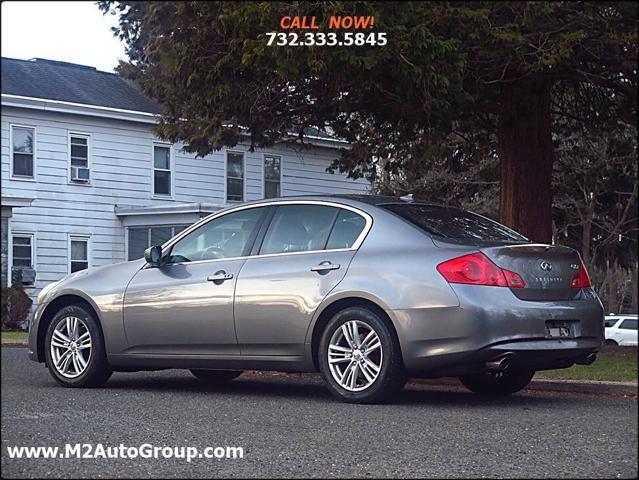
point(368, 290)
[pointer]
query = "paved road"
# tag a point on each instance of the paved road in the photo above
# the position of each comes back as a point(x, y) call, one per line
point(290, 426)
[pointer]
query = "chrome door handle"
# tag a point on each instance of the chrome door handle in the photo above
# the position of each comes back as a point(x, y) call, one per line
point(220, 276)
point(324, 266)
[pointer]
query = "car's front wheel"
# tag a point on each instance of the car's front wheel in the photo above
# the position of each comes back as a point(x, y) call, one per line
point(74, 349)
point(216, 376)
point(360, 358)
point(501, 383)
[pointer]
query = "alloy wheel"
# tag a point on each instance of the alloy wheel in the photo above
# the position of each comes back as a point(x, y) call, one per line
point(71, 347)
point(355, 355)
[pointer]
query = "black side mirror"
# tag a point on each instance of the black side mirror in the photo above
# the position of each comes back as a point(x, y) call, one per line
point(153, 256)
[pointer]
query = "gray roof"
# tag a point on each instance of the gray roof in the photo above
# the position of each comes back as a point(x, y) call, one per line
point(68, 82)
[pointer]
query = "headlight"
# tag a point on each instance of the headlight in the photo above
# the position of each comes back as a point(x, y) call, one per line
point(43, 293)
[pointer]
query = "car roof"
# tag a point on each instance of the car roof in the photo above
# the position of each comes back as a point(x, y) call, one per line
point(350, 199)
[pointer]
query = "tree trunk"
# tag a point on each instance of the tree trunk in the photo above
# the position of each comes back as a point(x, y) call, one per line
point(612, 289)
point(586, 233)
point(526, 156)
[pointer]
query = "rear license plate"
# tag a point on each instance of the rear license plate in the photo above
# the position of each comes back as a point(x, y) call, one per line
point(560, 329)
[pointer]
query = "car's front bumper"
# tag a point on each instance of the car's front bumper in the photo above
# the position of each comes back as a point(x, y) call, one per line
point(34, 325)
point(491, 322)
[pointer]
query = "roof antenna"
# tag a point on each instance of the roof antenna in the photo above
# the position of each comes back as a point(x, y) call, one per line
point(407, 198)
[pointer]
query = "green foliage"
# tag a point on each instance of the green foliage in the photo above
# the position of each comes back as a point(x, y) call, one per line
point(16, 305)
point(440, 94)
point(208, 63)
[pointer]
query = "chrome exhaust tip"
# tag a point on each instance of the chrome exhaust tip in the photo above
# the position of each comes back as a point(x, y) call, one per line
point(498, 364)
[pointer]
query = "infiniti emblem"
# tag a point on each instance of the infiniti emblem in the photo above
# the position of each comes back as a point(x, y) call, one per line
point(545, 266)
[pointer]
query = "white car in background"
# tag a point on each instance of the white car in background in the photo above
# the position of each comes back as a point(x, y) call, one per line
point(621, 330)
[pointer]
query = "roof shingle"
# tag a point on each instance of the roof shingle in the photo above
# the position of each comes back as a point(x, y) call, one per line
point(68, 82)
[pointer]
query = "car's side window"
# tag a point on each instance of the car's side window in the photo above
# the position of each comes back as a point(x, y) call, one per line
point(346, 230)
point(223, 237)
point(299, 228)
point(629, 324)
point(610, 322)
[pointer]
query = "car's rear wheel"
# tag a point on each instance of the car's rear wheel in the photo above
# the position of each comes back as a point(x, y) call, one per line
point(216, 376)
point(501, 383)
point(611, 343)
point(74, 349)
point(360, 358)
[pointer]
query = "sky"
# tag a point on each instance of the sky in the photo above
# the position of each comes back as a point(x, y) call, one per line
point(75, 32)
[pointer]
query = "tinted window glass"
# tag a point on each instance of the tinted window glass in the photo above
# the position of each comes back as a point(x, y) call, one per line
point(347, 228)
point(610, 322)
point(629, 324)
point(454, 223)
point(224, 237)
point(299, 228)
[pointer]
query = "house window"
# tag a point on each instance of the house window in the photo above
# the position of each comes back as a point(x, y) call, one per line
point(162, 170)
point(235, 177)
point(23, 141)
point(79, 158)
point(141, 238)
point(79, 257)
point(272, 176)
point(22, 250)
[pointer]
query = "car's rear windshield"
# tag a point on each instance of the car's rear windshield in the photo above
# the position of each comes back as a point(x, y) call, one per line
point(455, 224)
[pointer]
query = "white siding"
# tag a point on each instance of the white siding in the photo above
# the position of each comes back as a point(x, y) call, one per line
point(121, 173)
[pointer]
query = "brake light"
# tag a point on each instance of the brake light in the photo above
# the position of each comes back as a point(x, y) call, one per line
point(478, 269)
point(581, 278)
point(513, 279)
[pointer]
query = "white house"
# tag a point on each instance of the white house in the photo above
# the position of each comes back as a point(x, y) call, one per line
point(86, 183)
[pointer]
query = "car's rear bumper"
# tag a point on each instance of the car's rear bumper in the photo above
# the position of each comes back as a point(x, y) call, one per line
point(491, 322)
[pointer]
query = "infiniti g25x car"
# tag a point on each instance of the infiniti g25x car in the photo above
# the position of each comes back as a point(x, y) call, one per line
point(368, 290)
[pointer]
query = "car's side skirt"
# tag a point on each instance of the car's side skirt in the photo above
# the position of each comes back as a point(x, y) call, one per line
point(287, 363)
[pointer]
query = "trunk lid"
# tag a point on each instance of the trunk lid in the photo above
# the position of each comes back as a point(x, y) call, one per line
point(546, 269)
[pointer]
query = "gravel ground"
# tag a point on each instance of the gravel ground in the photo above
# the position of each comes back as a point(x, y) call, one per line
point(290, 426)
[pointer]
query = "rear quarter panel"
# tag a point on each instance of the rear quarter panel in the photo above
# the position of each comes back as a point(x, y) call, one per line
point(395, 268)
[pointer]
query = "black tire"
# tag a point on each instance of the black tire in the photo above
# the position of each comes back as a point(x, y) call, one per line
point(611, 343)
point(391, 377)
point(97, 371)
point(503, 383)
point(216, 376)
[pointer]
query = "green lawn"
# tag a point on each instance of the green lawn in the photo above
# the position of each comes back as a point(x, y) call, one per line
point(608, 367)
point(15, 336)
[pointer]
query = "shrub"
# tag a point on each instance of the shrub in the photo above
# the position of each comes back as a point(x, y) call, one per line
point(16, 305)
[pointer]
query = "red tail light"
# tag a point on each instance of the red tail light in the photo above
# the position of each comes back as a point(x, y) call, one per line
point(581, 278)
point(478, 269)
point(513, 279)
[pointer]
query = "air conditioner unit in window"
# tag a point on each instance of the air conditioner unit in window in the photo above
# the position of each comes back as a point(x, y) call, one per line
point(79, 174)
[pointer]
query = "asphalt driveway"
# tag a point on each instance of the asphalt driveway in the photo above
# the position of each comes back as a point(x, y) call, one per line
point(290, 426)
